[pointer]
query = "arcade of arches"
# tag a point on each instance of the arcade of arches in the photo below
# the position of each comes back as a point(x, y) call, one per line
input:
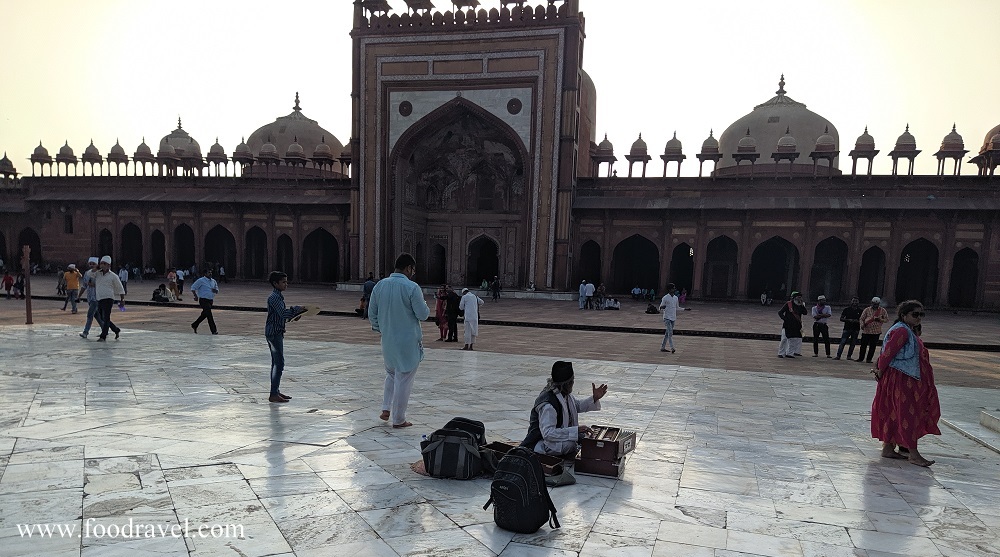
point(726, 269)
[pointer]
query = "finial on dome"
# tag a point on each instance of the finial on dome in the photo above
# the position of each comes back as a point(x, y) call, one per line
point(297, 108)
point(788, 130)
point(178, 121)
point(826, 129)
point(953, 127)
point(295, 139)
point(866, 129)
point(675, 134)
point(748, 130)
point(710, 132)
point(605, 136)
point(322, 139)
point(907, 126)
point(781, 85)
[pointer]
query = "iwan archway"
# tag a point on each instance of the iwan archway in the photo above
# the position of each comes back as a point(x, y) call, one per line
point(458, 175)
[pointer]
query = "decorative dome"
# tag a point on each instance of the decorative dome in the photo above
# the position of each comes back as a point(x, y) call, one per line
point(711, 145)
point(348, 152)
point(953, 141)
point(40, 151)
point(865, 142)
point(268, 151)
point(181, 143)
point(166, 150)
point(906, 142)
point(293, 128)
point(995, 142)
point(766, 121)
point(66, 151)
point(6, 167)
point(143, 149)
point(605, 147)
point(117, 153)
point(91, 154)
point(826, 142)
point(323, 151)
point(786, 144)
point(242, 149)
point(295, 150)
point(990, 137)
point(674, 146)
point(216, 149)
point(747, 144)
point(639, 147)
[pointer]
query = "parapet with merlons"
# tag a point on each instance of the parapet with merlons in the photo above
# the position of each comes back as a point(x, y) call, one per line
point(427, 22)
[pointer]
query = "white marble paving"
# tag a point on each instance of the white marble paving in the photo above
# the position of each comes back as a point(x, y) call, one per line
point(728, 463)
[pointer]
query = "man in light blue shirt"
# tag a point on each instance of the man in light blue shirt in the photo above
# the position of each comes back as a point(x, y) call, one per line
point(204, 290)
point(396, 309)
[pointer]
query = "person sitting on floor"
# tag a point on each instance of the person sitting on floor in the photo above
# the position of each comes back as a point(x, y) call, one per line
point(554, 427)
point(161, 294)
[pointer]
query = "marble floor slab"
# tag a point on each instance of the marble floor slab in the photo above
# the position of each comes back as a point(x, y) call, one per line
point(728, 463)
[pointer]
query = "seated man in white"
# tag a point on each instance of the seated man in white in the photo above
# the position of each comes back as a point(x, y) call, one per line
point(555, 427)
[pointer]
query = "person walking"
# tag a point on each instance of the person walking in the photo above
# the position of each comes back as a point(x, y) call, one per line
point(222, 274)
point(496, 287)
point(470, 305)
point(123, 276)
point(88, 286)
point(851, 318)
point(172, 282)
point(906, 405)
point(274, 331)
point(72, 277)
point(366, 293)
point(872, 319)
point(204, 290)
point(588, 292)
point(441, 299)
point(180, 284)
point(669, 305)
point(583, 293)
point(821, 313)
point(107, 286)
point(396, 310)
point(791, 328)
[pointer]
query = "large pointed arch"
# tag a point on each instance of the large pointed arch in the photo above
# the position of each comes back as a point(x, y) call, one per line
point(589, 263)
point(635, 261)
point(774, 266)
point(220, 248)
point(28, 237)
point(963, 286)
point(131, 251)
point(320, 257)
point(827, 274)
point(255, 254)
point(284, 255)
point(917, 274)
point(105, 243)
point(484, 260)
point(183, 247)
point(871, 276)
point(721, 268)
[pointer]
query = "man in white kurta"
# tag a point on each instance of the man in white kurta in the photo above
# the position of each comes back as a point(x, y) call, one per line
point(470, 305)
point(396, 309)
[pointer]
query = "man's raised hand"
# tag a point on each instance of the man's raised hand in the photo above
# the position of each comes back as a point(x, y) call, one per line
point(599, 392)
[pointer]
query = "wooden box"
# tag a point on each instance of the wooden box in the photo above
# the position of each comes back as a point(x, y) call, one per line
point(607, 443)
point(606, 468)
point(551, 465)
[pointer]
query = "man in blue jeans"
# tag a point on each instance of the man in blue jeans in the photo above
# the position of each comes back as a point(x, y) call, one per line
point(274, 331)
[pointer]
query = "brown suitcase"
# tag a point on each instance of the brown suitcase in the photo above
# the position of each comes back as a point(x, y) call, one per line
point(551, 465)
point(607, 443)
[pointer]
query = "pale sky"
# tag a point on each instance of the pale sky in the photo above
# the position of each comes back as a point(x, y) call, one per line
point(126, 69)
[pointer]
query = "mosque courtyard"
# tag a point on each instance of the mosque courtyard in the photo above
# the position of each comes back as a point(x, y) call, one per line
point(169, 436)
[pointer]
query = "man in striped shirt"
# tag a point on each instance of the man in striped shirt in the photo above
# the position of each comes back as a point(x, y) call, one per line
point(274, 331)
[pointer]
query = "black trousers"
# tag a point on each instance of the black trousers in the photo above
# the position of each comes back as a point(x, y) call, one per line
point(869, 342)
point(824, 330)
point(206, 313)
point(104, 308)
point(452, 326)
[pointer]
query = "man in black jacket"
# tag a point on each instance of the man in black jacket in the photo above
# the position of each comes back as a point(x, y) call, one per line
point(451, 313)
point(851, 317)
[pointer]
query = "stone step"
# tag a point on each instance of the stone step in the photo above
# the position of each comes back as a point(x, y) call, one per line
point(990, 420)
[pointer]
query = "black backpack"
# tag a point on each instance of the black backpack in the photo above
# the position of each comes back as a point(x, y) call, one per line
point(477, 429)
point(520, 500)
point(451, 453)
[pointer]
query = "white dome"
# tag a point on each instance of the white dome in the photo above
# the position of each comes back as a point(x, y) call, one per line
point(710, 145)
point(786, 144)
point(293, 128)
point(180, 142)
point(953, 141)
point(865, 142)
point(746, 144)
point(906, 142)
point(766, 121)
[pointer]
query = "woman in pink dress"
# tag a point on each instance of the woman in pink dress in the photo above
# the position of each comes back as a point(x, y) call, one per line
point(906, 405)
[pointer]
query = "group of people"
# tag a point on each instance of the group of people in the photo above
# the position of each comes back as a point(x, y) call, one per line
point(596, 297)
point(13, 284)
point(492, 286)
point(449, 307)
point(866, 322)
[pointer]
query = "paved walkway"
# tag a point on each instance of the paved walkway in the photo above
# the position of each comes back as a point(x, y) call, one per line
point(169, 429)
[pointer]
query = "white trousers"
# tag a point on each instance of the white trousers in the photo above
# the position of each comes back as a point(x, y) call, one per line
point(789, 346)
point(469, 337)
point(396, 393)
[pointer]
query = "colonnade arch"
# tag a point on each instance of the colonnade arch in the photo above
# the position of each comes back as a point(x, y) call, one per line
point(320, 257)
point(635, 261)
point(964, 281)
point(158, 259)
point(774, 266)
point(437, 265)
point(682, 267)
point(105, 243)
point(871, 277)
point(131, 253)
point(589, 264)
point(28, 237)
point(255, 254)
point(484, 260)
point(220, 248)
point(917, 275)
point(721, 268)
point(284, 253)
point(183, 247)
point(827, 274)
